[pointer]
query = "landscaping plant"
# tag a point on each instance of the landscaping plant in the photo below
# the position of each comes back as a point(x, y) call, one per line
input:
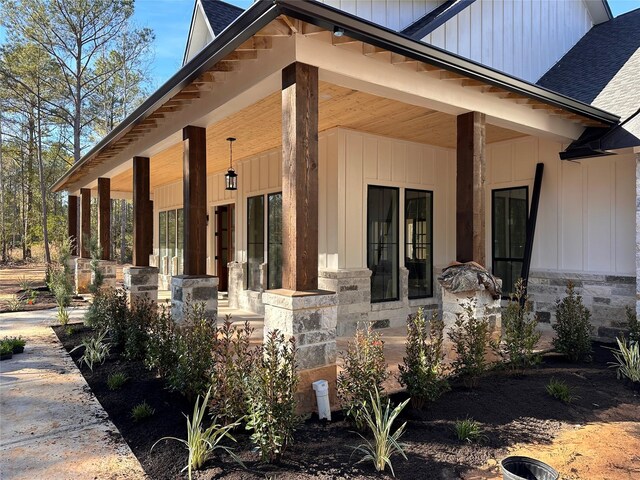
point(560, 391)
point(422, 371)
point(627, 362)
point(115, 381)
point(62, 289)
point(233, 360)
point(97, 277)
point(468, 430)
point(203, 442)
point(14, 304)
point(471, 337)
point(6, 350)
point(109, 312)
point(364, 371)
point(573, 328)
point(96, 350)
point(142, 411)
point(379, 418)
point(271, 397)
point(633, 325)
point(520, 336)
point(160, 352)
point(17, 343)
point(139, 318)
point(193, 346)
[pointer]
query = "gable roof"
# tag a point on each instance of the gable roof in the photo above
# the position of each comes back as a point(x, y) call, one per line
point(603, 69)
point(220, 14)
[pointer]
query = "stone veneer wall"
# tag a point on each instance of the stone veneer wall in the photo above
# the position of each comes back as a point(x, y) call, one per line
point(250, 300)
point(353, 287)
point(606, 297)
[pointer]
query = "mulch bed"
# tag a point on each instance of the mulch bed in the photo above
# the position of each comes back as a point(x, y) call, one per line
point(43, 299)
point(512, 409)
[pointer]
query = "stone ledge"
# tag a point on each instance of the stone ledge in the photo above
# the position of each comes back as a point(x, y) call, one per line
point(345, 273)
point(292, 300)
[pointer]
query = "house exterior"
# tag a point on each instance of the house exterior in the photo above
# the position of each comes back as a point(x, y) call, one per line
point(376, 143)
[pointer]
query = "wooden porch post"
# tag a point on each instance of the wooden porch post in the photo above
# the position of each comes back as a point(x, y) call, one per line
point(300, 177)
point(104, 217)
point(470, 183)
point(142, 230)
point(195, 200)
point(72, 231)
point(85, 222)
point(150, 219)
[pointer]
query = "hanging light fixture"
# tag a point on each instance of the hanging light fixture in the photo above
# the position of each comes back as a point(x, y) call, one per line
point(231, 177)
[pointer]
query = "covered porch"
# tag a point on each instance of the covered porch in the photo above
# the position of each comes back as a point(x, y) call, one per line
point(328, 122)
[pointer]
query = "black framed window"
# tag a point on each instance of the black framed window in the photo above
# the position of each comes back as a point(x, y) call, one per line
point(171, 232)
point(509, 213)
point(418, 235)
point(382, 242)
point(274, 240)
point(255, 240)
point(162, 238)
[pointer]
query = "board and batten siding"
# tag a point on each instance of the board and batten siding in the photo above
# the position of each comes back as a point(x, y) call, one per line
point(523, 37)
point(365, 159)
point(393, 14)
point(586, 217)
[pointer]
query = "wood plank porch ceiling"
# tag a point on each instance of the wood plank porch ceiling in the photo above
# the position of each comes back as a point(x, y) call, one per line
point(258, 128)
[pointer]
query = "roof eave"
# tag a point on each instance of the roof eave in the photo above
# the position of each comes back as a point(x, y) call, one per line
point(261, 13)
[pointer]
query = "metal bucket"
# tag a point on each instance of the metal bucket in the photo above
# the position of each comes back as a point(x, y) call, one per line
point(525, 468)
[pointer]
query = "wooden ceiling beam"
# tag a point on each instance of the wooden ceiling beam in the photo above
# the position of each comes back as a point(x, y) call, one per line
point(277, 28)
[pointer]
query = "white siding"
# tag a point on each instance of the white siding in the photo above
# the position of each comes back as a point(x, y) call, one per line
point(586, 219)
point(394, 14)
point(365, 159)
point(520, 37)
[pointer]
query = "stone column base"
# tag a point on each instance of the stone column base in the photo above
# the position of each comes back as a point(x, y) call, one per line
point(141, 283)
point(108, 269)
point(82, 275)
point(193, 289)
point(353, 288)
point(71, 271)
point(310, 318)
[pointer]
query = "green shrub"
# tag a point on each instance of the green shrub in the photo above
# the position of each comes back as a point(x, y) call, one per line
point(97, 277)
point(109, 311)
point(573, 328)
point(142, 411)
point(271, 397)
point(422, 371)
point(203, 442)
point(471, 337)
point(160, 351)
point(139, 319)
point(193, 348)
point(233, 360)
point(6, 348)
point(560, 391)
point(96, 350)
point(379, 418)
point(633, 325)
point(364, 371)
point(14, 304)
point(468, 430)
point(115, 381)
point(627, 362)
point(520, 336)
point(62, 289)
point(17, 343)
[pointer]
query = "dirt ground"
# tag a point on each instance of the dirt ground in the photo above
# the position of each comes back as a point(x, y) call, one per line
point(517, 415)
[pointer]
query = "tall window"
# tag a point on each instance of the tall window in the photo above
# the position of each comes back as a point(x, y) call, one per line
point(382, 242)
point(509, 226)
point(274, 240)
point(418, 234)
point(162, 237)
point(170, 224)
point(255, 240)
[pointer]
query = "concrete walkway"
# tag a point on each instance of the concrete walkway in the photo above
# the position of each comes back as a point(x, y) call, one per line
point(51, 425)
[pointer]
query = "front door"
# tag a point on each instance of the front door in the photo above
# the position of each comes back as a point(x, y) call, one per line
point(224, 244)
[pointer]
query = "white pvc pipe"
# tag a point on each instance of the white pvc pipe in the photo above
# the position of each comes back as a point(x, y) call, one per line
point(321, 387)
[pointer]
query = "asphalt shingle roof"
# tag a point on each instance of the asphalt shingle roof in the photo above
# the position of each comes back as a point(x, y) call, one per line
point(603, 69)
point(220, 14)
